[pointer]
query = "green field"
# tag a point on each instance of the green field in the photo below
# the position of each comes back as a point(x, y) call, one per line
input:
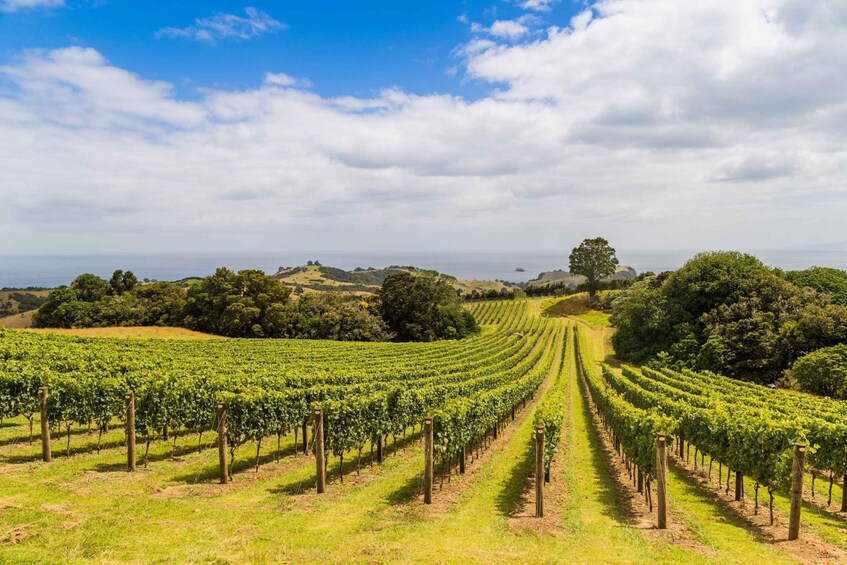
point(85, 507)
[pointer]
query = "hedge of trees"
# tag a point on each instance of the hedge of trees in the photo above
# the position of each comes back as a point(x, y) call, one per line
point(726, 312)
point(410, 307)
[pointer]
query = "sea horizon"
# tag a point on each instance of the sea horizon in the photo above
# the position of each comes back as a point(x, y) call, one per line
point(43, 270)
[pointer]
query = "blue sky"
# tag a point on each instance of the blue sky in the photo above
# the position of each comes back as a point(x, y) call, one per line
point(506, 124)
point(343, 47)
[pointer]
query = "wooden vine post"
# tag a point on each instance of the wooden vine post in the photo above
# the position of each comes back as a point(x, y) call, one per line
point(661, 482)
point(46, 453)
point(130, 431)
point(739, 486)
point(796, 491)
point(844, 493)
point(320, 463)
point(539, 472)
point(379, 449)
point(462, 458)
point(305, 438)
point(428, 461)
point(222, 453)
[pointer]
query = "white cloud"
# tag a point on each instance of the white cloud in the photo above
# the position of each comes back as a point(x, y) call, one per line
point(15, 5)
point(619, 124)
point(226, 26)
point(508, 29)
point(284, 80)
point(537, 5)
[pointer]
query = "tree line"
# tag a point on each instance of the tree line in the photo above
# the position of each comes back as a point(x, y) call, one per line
point(728, 313)
point(409, 307)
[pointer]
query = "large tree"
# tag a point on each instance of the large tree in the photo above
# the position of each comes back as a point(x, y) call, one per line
point(122, 282)
point(338, 317)
point(594, 259)
point(244, 304)
point(423, 307)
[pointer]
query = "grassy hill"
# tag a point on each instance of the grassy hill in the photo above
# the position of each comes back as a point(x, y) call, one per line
point(17, 321)
point(20, 301)
point(18, 306)
point(319, 278)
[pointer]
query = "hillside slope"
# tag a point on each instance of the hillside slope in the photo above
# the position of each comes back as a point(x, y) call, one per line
point(320, 278)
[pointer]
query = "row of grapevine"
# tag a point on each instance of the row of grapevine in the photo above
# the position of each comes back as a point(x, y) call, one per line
point(550, 414)
point(738, 430)
point(366, 391)
point(634, 428)
point(465, 419)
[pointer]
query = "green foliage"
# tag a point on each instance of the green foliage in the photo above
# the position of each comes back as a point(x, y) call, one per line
point(823, 279)
point(90, 288)
point(642, 317)
point(122, 282)
point(707, 281)
point(63, 309)
point(550, 414)
point(745, 426)
point(244, 304)
point(338, 317)
point(724, 312)
point(423, 307)
point(593, 259)
point(823, 372)
point(365, 390)
point(637, 428)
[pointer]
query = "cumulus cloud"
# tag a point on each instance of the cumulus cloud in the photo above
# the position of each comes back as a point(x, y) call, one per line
point(226, 26)
point(15, 5)
point(538, 5)
point(508, 29)
point(621, 122)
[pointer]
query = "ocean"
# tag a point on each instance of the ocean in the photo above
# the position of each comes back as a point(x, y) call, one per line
point(50, 271)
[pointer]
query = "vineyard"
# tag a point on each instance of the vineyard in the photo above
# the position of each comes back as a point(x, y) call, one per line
point(526, 443)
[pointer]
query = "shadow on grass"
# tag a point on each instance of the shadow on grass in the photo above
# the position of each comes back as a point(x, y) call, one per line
point(611, 494)
point(719, 509)
point(36, 435)
point(333, 477)
point(59, 450)
point(828, 518)
point(412, 489)
point(511, 497)
point(245, 462)
point(612, 361)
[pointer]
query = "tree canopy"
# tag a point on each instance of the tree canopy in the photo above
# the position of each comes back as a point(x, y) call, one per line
point(244, 304)
point(822, 279)
point(593, 259)
point(823, 372)
point(423, 307)
point(725, 312)
point(252, 304)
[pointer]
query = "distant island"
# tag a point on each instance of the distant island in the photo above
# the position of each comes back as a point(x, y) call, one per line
point(520, 270)
point(565, 278)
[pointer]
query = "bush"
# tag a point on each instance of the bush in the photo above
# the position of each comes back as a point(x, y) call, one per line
point(823, 372)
